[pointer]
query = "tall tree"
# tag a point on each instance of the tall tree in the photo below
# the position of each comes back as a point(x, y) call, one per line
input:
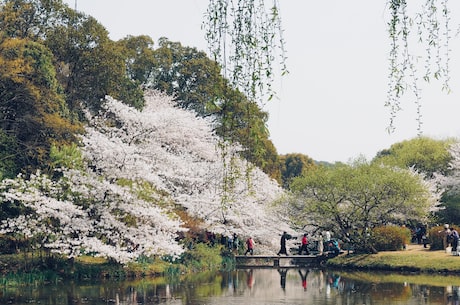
point(426, 155)
point(32, 19)
point(351, 200)
point(91, 65)
point(294, 165)
point(187, 74)
point(139, 57)
point(33, 111)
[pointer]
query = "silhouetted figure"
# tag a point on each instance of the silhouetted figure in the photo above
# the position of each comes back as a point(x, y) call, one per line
point(284, 237)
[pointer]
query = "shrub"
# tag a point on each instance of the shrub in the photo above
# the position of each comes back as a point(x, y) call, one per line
point(436, 237)
point(202, 257)
point(390, 238)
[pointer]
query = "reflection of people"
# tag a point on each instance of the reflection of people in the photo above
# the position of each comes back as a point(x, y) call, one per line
point(250, 246)
point(304, 278)
point(283, 243)
point(304, 245)
point(283, 273)
point(250, 280)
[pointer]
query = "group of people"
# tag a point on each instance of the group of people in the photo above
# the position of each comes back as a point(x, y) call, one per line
point(451, 238)
point(303, 244)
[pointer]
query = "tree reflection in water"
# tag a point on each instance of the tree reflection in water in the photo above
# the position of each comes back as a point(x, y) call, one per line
point(250, 286)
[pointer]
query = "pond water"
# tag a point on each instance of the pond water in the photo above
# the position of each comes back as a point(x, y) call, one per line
point(249, 286)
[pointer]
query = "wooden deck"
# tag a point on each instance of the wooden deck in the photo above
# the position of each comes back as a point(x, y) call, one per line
point(260, 261)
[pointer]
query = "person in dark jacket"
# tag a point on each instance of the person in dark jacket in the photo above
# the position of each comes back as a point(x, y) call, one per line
point(284, 237)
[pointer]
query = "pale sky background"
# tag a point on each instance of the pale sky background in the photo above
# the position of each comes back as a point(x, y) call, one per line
point(331, 105)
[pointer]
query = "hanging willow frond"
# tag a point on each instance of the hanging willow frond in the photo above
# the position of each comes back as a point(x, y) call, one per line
point(432, 22)
point(245, 37)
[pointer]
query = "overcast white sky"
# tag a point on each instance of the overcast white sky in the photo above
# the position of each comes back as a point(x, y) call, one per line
point(331, 105)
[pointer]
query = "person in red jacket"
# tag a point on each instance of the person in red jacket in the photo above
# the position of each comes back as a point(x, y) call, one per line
point(250, 246)
point(304, 245)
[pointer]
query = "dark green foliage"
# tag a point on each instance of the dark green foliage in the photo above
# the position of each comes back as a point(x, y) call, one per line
point(9, 165)
point(390, 238)
point(33, 111)
point(294, 165)
point(187, 74)
point(450, 202)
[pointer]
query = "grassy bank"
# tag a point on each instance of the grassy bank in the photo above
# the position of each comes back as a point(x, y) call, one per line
point(414, 259)
point(37, 267)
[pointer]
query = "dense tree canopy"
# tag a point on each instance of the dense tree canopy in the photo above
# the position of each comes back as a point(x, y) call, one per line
point(350, 200)
point(33, 114)
point(425, 155)
point(294, 165)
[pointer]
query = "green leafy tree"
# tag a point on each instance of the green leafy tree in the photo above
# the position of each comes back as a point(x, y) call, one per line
point(351, 200)
point(139, 56)
point(187, 74)
point(91, 65)
point(241, 121)
point(31, 18)
point(426, 155)
point(431, 158)
point(33, 112)
point(294, 165)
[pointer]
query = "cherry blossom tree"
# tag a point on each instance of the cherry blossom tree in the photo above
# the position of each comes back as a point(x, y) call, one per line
point(175, 151)
point(140, 166)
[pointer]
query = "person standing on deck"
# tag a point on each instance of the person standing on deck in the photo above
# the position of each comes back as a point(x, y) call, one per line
point(250, 246)
point(304, 245)
point(284, 237)
point(454, 238)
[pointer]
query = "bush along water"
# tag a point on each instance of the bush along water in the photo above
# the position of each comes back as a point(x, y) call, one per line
point(34, 268)
point(390, 238)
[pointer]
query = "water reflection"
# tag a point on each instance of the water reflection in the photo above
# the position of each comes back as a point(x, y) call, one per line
point(250, 286)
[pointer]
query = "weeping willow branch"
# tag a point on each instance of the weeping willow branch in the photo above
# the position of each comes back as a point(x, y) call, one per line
point(246, 39)
point(432, 22)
